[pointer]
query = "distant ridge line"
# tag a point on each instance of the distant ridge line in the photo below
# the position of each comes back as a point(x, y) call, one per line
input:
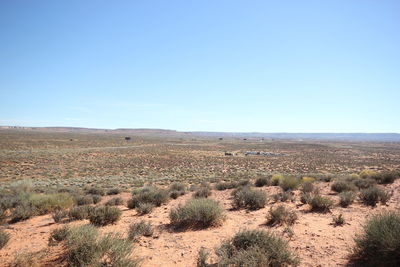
point(278, 135)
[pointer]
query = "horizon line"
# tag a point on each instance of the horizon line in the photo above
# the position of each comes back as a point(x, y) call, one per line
point(189, 131)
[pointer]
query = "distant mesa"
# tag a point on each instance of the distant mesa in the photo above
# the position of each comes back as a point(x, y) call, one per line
point(246, 136)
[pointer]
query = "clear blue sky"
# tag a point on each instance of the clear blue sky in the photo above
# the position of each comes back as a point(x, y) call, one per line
point(267, 66)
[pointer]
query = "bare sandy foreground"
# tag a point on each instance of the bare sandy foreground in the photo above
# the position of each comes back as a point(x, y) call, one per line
point(316, 240)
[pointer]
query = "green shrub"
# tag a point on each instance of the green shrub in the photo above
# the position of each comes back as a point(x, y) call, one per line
point(85, 248)
point(276, 178)
point(202, 192)
point(371, 196)
point(82, 247)
point(283, 196)
point(84, 200)
point(202, 258)
point(342, 185)
point(255, 248)
point(289, 183)
point(141, 228)
point(104, 215)
point(26, 259)
point(115, 201)
point(8, 201)
point(244, 182)
point(364, 183)
point(321, 204)
point(384, 177)
point(113, 191)
point(22, 212)
point(379, 243)
point(46, 203)
point(177, 187)
point(144, 208)
point(305, 198)
point(197, 213)
point(58, 235)
point(346, 198)
point(96, 191)
point(80, 213)
point(58, 215)
point(225, 185)
point(280, 215)
point(245, 197)
point(3, 215)
point(148, 194)
point(4, 238)
point(263, 181)
point(338, 220)
point(307, 187)
point(176, 194)
point(367, 173)
point(96, 198)
point(116, 251)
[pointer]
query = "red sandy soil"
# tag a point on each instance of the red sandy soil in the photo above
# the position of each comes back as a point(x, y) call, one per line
point(316, 240)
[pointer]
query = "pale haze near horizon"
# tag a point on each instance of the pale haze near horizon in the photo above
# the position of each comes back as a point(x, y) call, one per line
point(234, 66)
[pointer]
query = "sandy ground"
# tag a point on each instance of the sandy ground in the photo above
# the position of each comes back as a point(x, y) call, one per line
point(316, 240)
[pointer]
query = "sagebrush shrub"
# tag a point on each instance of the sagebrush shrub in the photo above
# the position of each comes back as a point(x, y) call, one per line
point(113, 191)
point(281, 215)
point(3, 215)
point(80, 212)
point(202, 258)
point(385, 177)
point(338, 220)
point(289, 183)
point(346, 198)
point(58, 235)
point(275, 179)
point(141, 228)
point(307, 187)
point(58, 215)
point(305, 198)
point(177, 187)
point(144, 208)
point(22, 212)
point(255, 248)
point(25, 259)
point(46, 203)
point(342, 185)
point(262, 181)
point(283, 196)
point(197, 213)
point(202, 192)
point(96, 198)
point(96, 191)
point(175, 194)
point(225, 185)
point(321, 204)
point(85, 247)
point(244, 182)
point(115, 201)
point(366, 173)
point(148, 194)
point(104, 215)
point(84, 200)
point(82, 247)
point(379, 243)
point(372, 195)
point(364, 183)
point(245, 197)
point(4, 238)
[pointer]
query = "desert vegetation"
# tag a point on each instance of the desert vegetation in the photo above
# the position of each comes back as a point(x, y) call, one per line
point(379, 242)
point(209, 201)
